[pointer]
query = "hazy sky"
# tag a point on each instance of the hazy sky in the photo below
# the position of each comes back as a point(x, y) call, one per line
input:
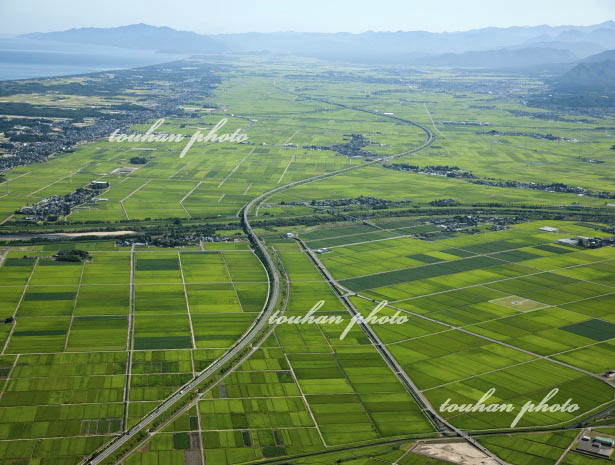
point(221, 16)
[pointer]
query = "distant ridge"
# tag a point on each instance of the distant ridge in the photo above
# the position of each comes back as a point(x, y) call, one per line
point(513, 47)
point(593, 73)
point(504, 58)
point(140, 36)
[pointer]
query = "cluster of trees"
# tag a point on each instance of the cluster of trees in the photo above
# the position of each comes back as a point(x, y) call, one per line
point(544, 116)
point(440, 170)
point(74, 255)
point(444, 203)
point(48, 111)
point(552, 187)
point(535, 135)
point(174, 235)
point(373, 202)
point(352, 148)
point(138, 160)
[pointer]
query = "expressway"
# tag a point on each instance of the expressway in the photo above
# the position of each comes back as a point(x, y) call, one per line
point(185, 390)
point(262, 321)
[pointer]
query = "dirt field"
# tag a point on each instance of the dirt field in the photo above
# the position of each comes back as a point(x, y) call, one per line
point(457, 452)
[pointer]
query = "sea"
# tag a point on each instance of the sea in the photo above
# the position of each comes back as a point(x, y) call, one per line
point(26, 59)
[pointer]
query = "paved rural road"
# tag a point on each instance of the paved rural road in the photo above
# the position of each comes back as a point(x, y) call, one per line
point(263, 319)
point(428, 410)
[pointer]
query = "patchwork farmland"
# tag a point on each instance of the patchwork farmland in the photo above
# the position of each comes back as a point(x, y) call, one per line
point(137, 323)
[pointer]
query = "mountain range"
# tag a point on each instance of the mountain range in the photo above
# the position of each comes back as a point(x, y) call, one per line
point(139, 36)
point(510, 48)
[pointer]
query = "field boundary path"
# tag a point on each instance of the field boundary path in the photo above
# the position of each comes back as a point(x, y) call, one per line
point(428, 410)
point(185, 391)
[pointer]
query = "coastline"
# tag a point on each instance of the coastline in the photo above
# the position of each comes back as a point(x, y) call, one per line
point(22, 59)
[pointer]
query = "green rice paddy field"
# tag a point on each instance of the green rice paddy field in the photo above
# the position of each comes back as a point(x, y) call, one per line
point(97, 345)
point(492, 310)
point(65, 362)
point(305, 390)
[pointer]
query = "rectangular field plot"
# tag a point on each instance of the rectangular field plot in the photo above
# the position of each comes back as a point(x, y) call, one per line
point(11, 296)
point(231, 447)
point(450, 282)
point(326, 233)
point(419, 272)
point(16, 270)
point(55, 421)
point(597, 358)
point(33, 335)
point(252, 296)
point(48, 301)
point(219, 330)
point(160, 299)
point(157, 267)
point(597, 330)
point(244, 267)
point(52, 272)
point(200, 267)
point(116, 300)
point(162, 449)
point(162, 332)
point(446, 357)
point(374, 235)
point(157, 374)
point(213, 298)
point(280, 412)
point(299, 267)
point(599, 272)
point(91, 333)
point(145, 201)
point(107, 268)
point(459, 307)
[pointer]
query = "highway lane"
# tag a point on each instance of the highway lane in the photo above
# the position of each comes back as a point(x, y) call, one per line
point(261, 322)
point(246, 339)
